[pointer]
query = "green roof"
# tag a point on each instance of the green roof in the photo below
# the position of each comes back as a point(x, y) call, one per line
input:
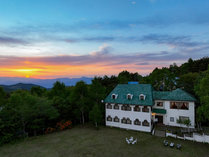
point(177, 95)
point(135, 89)
point(156, 110)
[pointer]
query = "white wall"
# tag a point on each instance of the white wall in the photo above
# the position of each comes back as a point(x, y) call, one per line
point(195, 137)
point(132, 115)
point(176, 113)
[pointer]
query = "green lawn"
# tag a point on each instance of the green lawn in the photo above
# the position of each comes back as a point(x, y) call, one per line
point(105, 142)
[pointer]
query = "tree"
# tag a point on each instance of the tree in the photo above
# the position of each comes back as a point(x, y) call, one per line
point(97, 91)
point(30, 112)
point(38, 91)
point(59, 95)
point(59, 89)
point(80, 98)
point(187, 82)
point(202, 91)
point(186, 122)
point(2, 97)
point(97, 94)
point(95, 115)
point(162, 79)
point(124, 77)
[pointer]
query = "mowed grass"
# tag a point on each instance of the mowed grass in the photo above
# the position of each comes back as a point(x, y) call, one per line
point(105, 142)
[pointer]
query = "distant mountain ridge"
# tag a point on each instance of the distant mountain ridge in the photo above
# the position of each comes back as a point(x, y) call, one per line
point(10, 88)
point(47, 83)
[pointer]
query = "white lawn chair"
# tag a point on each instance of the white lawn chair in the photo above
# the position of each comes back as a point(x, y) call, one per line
point(172, 144)
point(131, 139)
point(135, 141)
point(127, 140)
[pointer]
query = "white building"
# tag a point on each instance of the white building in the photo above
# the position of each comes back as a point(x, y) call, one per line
point(137, 106)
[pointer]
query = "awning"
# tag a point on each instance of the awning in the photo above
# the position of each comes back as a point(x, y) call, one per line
point(161, 111)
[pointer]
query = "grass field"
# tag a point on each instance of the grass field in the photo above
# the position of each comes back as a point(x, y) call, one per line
point(105, 142)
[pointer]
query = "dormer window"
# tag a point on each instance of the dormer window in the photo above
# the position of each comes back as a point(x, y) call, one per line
point(142, 97)
point(129, 96)
point(114, 96)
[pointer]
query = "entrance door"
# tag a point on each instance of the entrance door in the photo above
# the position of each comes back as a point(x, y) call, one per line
point(160, 119)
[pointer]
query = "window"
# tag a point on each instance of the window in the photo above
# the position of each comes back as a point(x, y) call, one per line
point(116, 107)
point(182, 118)
point(171, 119)
point(173, 105)
point(142, 97)
point(179, 105)
point(137, 122)
point(126, 107)
point(109, 118)
point(128, 121)
point(129, 96)
point(123, 107)
point(116, 119)
point(145, 123)
point(114, 96)
point(185, 106)
point(123, 121)
point(145, 109)
point(109, 106)
point(137, 108)
point(159, 104)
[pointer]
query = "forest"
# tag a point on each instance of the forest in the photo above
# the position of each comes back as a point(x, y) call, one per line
point(39, 111)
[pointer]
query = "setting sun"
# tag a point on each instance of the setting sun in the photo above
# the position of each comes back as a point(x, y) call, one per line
point(27, 76)
point(27, 72)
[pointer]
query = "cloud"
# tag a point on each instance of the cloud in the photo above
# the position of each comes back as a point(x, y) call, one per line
point(11, 41)
point(103, 50)
point(99, 62)
point(143, 63)
point(182, 44)
point(103, 57)
point(90, 39)
point(170, 40)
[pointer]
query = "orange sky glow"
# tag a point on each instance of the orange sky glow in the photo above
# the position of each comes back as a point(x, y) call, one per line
point(43, 71)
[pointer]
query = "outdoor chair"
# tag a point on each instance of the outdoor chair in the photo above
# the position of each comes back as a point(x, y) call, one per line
point(178, 146)
point(165, 143)
point(172, 144)
point(135, 141)
point(127, 140)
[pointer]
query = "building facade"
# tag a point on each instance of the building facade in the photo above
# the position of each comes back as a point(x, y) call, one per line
point(138, 107)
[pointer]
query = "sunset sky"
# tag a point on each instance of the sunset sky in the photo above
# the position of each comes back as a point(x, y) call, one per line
point(74, 38)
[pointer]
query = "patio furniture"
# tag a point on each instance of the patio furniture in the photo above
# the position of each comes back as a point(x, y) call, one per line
point(178, 146)
point(131, 139)
point(165, 143)
point(172, 144)
point(127, 140)
point(135, 141)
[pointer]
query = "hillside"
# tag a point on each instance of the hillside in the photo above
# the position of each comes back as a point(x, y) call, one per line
point(22, 86)
point(105, 142)
point(47, 83)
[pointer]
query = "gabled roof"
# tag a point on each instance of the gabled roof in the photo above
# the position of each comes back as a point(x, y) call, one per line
point(177, 95)
point(135, 89)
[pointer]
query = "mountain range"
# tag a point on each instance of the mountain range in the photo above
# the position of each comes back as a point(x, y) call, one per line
point(46, 83)
point(22, 86)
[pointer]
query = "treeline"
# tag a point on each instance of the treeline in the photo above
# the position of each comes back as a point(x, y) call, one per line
point(31, 113)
